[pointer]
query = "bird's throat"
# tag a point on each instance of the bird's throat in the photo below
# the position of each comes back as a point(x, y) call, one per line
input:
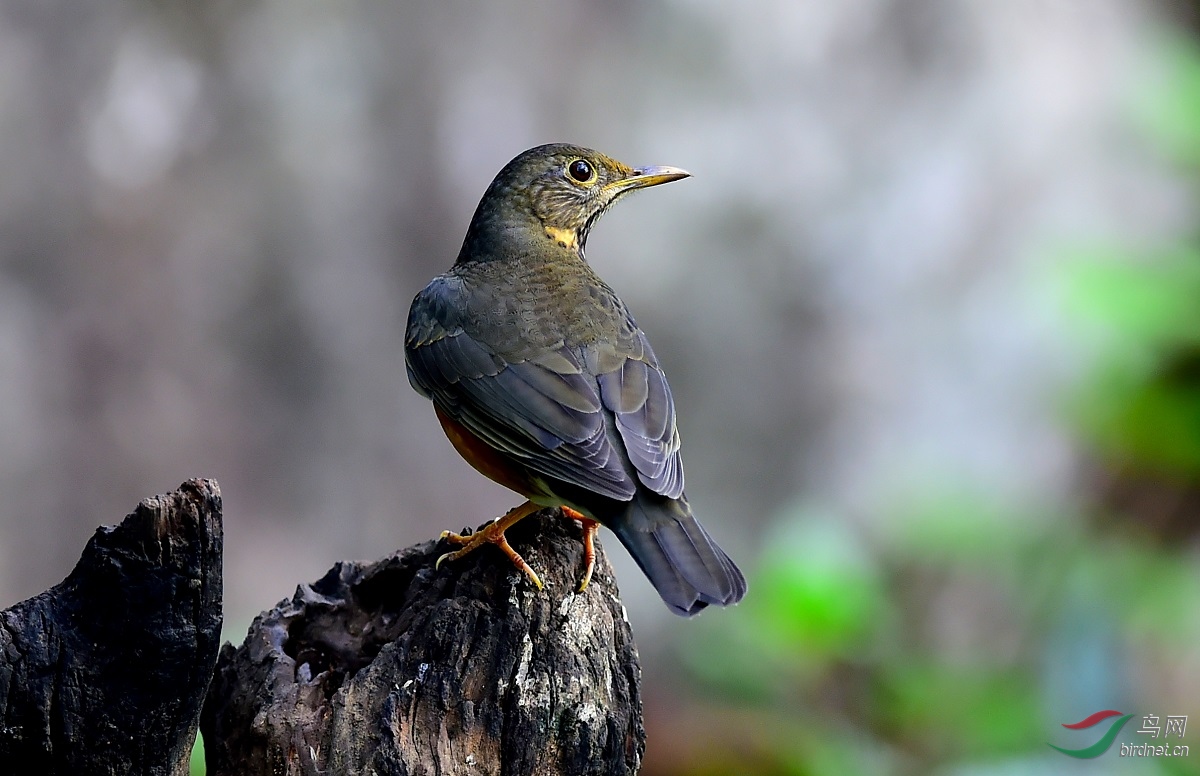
point(566, 238)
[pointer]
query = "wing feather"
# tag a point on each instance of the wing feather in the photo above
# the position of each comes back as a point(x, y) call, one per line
point(554, 411)
point(641, 401)
point(545, 412)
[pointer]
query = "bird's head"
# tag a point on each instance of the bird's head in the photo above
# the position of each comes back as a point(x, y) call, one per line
point(555, 193)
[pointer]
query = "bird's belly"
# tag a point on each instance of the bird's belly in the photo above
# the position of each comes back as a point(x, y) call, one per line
point(498, 468)
point(485, 459)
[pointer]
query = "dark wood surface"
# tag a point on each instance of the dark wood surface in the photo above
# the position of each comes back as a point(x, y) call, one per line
point(393, 667)
point(105, 672)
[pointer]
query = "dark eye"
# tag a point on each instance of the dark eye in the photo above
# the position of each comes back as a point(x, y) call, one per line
point(580, 170)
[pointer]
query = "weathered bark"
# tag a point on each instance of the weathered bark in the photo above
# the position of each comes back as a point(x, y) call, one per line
point(394, 667)
point(105, 672)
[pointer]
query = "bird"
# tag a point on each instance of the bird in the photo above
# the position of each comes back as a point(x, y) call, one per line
point(543, 381)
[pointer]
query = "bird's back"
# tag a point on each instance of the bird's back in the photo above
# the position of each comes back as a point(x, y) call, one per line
point(523, 305)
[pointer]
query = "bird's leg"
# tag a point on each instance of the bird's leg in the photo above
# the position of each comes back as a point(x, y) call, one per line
point(494, 533)
point(590, 527)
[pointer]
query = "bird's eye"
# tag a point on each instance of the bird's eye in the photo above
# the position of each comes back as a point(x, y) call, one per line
point(581, 171)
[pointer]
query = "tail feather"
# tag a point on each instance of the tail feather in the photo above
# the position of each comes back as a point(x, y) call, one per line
point(682, 561)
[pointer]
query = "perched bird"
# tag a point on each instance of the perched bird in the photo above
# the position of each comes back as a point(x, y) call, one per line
point(544, 383)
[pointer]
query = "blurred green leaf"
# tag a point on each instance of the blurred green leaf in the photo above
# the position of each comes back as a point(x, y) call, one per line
point(1141, 402)
point(817, 590)
point(818, 597)
point(1148, 302)
point(838, 753)
point(731, 657)
point(1155, 425)
point(196, 765)
point(1168, 105)
point(1154, 591)
point(1178, 766)
point(962, 710)
point(955, 524)
point(795, 744)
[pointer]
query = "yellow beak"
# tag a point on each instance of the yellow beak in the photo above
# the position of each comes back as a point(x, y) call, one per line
point(644, 177)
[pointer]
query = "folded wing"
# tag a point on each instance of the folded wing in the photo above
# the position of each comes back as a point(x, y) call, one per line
point(552, 411)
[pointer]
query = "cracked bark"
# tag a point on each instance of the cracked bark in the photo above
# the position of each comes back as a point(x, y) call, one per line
point(105, 672)
point(392, 667)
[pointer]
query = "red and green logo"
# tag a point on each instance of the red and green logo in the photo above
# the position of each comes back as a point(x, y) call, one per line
point(1106, 740)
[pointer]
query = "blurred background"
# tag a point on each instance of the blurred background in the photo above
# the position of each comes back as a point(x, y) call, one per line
point(930, 307)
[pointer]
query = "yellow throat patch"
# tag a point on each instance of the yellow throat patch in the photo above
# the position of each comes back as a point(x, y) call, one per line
point(564, 237)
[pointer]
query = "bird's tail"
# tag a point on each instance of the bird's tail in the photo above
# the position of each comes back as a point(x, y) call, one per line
point(685, 565)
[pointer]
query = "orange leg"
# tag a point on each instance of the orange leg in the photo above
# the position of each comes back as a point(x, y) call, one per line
point(590, 527)
point(494, 533)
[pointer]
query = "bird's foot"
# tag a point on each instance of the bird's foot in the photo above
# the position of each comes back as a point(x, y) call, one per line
point(493, 533)
point(590, 527)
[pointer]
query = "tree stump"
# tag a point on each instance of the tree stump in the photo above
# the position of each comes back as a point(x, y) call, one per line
point(105, 672)
point(394, 667)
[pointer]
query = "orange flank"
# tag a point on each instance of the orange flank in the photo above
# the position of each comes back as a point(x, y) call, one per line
point(491, 464)
point(484, 457)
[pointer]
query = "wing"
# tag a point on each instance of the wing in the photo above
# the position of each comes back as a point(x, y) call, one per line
point(634, 388)
point(544, 411)
point(548, 411)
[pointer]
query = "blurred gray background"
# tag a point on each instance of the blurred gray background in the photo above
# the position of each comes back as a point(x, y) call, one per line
point(214, 215)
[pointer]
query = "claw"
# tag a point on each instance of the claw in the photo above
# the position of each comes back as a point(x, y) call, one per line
point(493, 533)
point(590, 527)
